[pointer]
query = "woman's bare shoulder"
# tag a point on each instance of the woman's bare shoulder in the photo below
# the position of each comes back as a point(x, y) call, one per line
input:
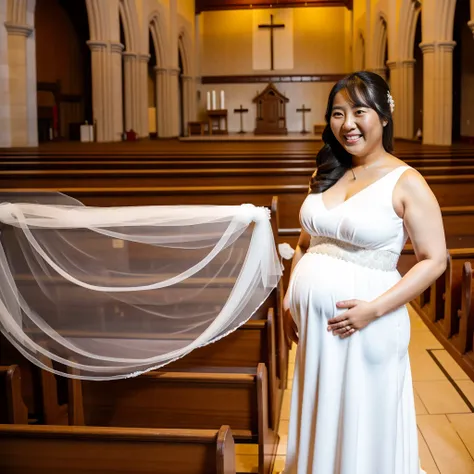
point(392, 162)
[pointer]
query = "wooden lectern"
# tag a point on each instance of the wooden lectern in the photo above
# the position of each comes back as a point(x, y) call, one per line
point(271, 112)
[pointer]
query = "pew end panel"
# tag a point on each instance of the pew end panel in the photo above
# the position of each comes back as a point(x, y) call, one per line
point(39, 388)
point(12, 408)
point(464, 340)
point(453, 291)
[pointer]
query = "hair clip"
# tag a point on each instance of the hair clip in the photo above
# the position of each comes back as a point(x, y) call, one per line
point(390, 101)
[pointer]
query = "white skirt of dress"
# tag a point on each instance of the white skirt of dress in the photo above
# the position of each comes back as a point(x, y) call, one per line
point(352, 407)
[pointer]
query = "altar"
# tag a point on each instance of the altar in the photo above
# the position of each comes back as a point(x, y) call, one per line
point(271, 112)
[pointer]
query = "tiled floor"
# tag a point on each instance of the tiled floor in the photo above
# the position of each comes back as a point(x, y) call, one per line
point(444, 407)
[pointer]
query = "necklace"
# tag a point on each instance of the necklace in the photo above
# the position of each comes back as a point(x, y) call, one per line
point(363, 167)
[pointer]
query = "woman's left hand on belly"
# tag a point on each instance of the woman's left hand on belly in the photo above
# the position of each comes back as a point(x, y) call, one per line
point(359, 314)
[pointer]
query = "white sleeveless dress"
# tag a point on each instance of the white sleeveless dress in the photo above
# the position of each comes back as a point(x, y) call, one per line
point(352, 407)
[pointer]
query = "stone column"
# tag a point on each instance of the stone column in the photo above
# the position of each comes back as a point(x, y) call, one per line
point(161, 81)
point(131, 90)
point(437, 92)
point(173, 112)
point(188, 95)
point(143, 95)
point(380, 71)
point(5, 130)
point(402, 74)
point(396, 91)
point(100, 88)
point(107, 103)
point(116, 99)
point(19, 84)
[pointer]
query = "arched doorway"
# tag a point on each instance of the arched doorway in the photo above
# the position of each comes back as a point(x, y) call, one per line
point(63, 69)
point(418, 81)
point(385, 60)
point(380, 54)
point(182, 126)
point(157, 50)
point(463, 73)
point(152, 89)
point(122, 68)
point(360, 52)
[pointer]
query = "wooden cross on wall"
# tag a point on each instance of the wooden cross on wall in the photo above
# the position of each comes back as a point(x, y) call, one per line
point(271, 27)
point(303, 110)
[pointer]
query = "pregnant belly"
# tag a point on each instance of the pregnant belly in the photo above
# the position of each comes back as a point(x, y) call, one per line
point(319, 282)
point(326, 280)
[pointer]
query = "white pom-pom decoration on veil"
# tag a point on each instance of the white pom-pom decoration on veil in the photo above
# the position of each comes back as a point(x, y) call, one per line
point(108, 293)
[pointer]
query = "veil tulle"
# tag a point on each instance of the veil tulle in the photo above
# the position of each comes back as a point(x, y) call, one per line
point(108, 293)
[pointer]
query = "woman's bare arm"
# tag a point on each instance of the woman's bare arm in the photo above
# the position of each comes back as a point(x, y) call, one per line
point(423, 221)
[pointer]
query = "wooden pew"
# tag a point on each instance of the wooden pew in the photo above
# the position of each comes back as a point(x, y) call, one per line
point(103, 178)
point(12, 408)
point(465, 338)
point(196, 148)
point(39, 388)
point(436, 166)
point(251, 344)
point(444, 303)
point(273, 350)
point(453, 191)
point(185, 400)
point(444, 308)
point(81, 450)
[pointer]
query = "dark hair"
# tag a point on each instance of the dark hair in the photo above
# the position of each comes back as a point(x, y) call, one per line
point(365, 89)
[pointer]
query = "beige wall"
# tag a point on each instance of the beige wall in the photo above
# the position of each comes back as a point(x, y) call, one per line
point(186, 9)
point(319, 42)
point(226, 43)
point(313, 95)
point(467, 84)
point(321, 45)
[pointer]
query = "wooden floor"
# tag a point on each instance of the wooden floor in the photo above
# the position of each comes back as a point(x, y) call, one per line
point(444, 400)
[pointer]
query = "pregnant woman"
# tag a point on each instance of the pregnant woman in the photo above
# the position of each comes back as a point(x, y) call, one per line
point(352, 408)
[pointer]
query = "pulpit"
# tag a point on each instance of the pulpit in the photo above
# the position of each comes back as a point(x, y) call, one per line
point(271, 112)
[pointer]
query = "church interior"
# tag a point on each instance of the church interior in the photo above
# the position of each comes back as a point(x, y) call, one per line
point(223, 102)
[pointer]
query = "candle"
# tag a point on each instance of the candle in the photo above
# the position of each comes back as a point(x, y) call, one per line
point(222, 101)
point(213, 100)
point(208, 100)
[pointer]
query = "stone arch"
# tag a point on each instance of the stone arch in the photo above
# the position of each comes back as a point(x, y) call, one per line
point(380, 41)
point(187, 79)
point(21, 12)
point(447, 20)
point(360, 51)
point(96, 27)
point(156, 27)
point(128, 14)
point(409, 13)
point(185, 49)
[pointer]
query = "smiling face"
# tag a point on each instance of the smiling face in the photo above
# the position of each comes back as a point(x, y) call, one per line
point(357, 127)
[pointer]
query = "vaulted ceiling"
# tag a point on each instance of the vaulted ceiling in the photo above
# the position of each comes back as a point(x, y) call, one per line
point(208, 5)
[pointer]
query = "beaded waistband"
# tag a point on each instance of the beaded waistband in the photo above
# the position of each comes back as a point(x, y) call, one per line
point(377, 259)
